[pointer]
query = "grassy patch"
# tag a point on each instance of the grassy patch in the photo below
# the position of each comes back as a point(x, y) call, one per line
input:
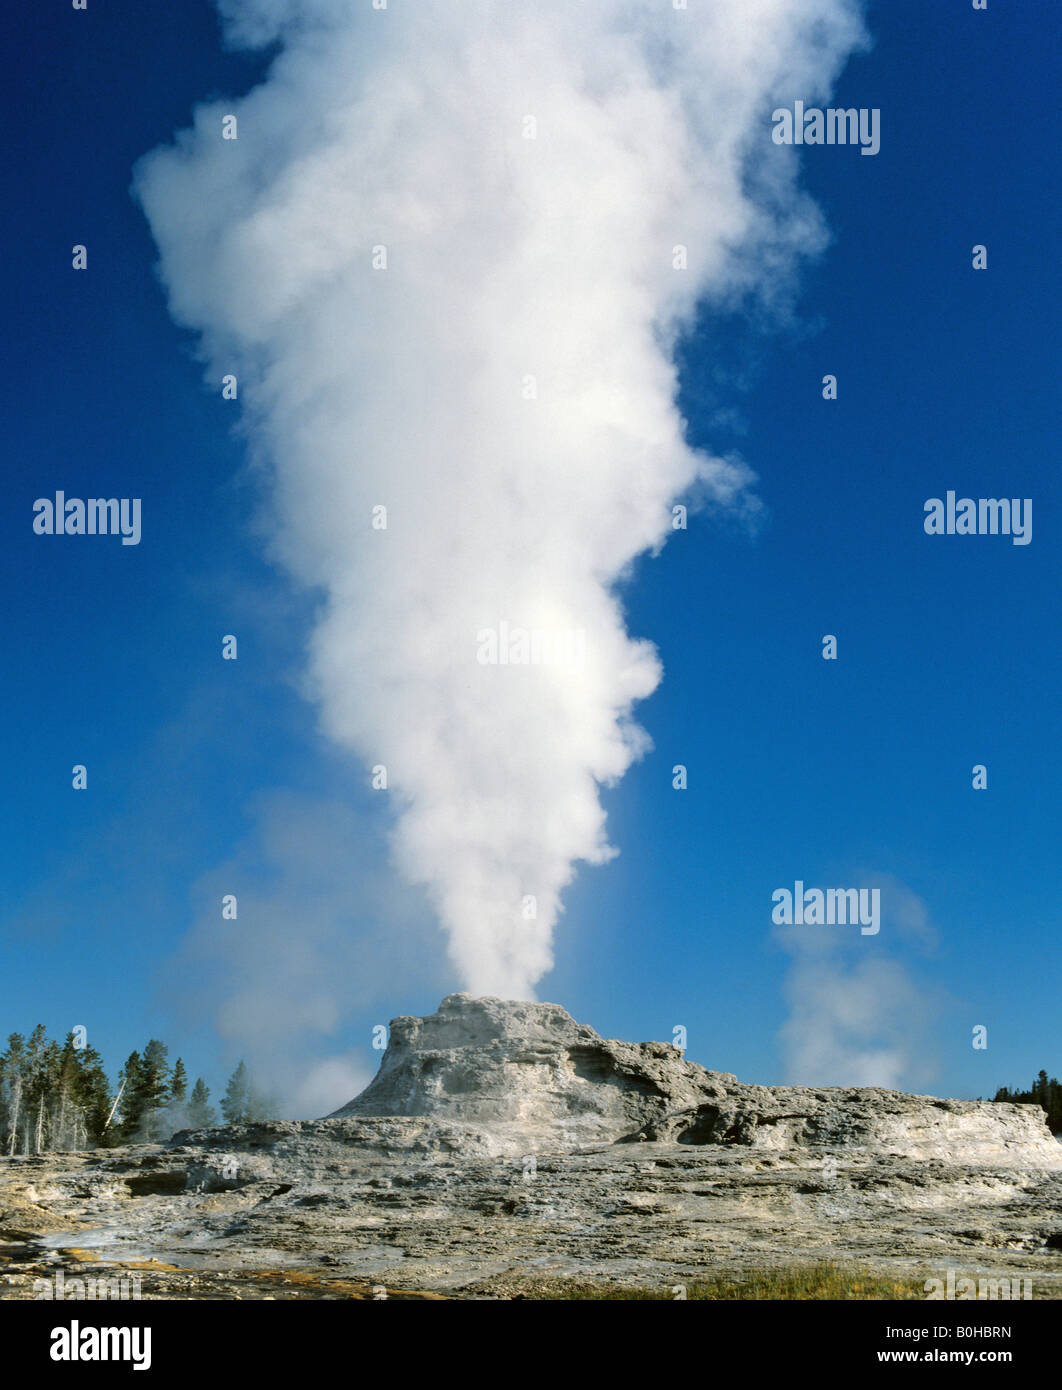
point(798, 1282)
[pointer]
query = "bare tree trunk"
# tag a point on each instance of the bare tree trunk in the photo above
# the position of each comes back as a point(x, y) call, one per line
point(39, 1136)
point(114, 1107)
point(16, 1105)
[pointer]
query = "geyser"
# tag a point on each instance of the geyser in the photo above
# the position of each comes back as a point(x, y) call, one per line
point(446, 258)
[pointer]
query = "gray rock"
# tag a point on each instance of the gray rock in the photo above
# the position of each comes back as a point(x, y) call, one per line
point(537, 1081)
point(501, 1139)
point(530, 1075)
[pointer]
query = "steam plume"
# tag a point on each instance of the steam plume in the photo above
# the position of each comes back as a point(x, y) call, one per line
point(507, 258)
point(862, 1013)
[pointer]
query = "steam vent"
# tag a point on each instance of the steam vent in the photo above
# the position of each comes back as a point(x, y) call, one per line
point(503, 1142)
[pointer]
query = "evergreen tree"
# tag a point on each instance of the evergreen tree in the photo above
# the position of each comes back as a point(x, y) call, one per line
point(94, 1096)
point(236, 1102)
point(56, 1096)
point(13, 1069)
point(201, 1114)
point(178, 1083)
point(151, 1092)
point(44, 1058)
point(175, 1115)
point(243, 1102)
point(1045, 1092)
point(68, 1128)
point(1054, 1106)
point(154, 1075)
point(131, 1107)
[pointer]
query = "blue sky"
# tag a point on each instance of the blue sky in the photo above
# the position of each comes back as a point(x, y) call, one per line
point(799, 768)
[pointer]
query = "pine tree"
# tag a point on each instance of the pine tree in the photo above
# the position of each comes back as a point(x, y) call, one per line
point(45, 1060)
point(178, 1083)
point(67, 1117)
point(32, 1136)
point(152, 1091)
point(236, 1102)
point(56, 1096)
point(94, 1096)
point(1054, 1105)
point(1045, 1092)
point(175, 1115)
point(201, 1114)
point(131, 1108)
point(13, 1069)
point(155, 1074)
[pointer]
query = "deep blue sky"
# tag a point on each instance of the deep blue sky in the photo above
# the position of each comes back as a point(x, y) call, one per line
point(799, 768)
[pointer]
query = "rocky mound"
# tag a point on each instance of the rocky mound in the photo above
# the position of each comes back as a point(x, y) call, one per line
point(537, 1081)
point(529, 1070)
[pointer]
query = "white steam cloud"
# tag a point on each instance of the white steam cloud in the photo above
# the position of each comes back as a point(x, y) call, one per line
point(507, 258)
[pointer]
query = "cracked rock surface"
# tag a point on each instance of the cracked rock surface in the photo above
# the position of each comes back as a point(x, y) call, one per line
point(501, 1138)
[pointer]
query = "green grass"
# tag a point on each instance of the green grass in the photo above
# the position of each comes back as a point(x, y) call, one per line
point(799, 1282)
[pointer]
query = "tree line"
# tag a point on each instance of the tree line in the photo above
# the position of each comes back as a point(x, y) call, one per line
point(1045, 1091)
point(56, 1096)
